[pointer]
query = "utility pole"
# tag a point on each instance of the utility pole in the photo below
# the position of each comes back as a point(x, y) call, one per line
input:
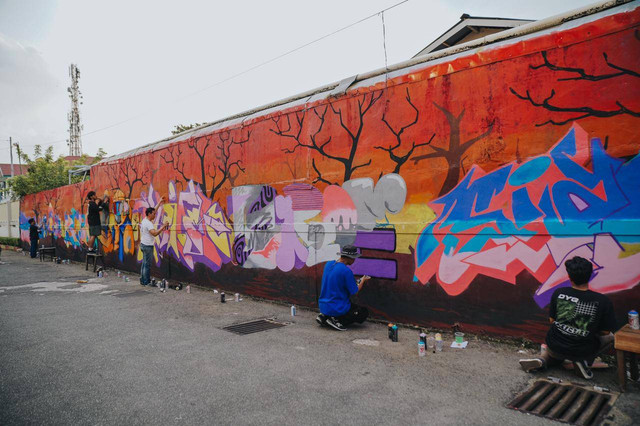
point(8, 202)
point(75, 128)
point(11, 155)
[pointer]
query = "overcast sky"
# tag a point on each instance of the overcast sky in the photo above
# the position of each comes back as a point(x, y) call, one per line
point(139, 60)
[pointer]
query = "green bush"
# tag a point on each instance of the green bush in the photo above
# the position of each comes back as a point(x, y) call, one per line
point(10, 241)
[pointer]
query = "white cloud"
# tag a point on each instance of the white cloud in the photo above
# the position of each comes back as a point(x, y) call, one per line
point(27, 94)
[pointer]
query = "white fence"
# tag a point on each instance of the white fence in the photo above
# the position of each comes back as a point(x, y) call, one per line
point(9, 219)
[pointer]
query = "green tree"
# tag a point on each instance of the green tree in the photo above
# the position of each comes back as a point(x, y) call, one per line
point(184, 127)
point(99, 156)
point(43, 172)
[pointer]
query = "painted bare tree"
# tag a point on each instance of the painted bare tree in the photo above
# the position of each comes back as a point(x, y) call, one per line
point(218, 160)
point(52, 199)
point(128, 173)
point(578, 112)
point(394, 149)
point(322, 145)
point(295, 133)
point(455, 151)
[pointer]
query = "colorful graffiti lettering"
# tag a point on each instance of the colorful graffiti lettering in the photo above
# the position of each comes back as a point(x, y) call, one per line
point(575, 200)
point(306, 227)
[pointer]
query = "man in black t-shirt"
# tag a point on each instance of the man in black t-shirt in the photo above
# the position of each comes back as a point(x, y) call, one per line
point(582, 322)
point(34, 235)
point(93, 217)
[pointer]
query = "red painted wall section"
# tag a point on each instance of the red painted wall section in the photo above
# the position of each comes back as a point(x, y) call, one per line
point(466, 184)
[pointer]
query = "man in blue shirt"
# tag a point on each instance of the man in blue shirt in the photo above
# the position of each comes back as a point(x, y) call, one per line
point(338, 285)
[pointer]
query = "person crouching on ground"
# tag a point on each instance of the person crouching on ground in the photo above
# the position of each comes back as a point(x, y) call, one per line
point(93, 218)
point(148, 233)
point(581, 323)
point(34, 235)
point(338, 285)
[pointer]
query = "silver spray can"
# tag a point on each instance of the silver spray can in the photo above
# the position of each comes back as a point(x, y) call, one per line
point(236, 297)
point(633, 320)
point(188, 289)
point(293, 310)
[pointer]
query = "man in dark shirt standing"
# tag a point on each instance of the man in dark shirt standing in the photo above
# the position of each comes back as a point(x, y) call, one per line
point(582, 322)
point(93, 217)
point(34, 232)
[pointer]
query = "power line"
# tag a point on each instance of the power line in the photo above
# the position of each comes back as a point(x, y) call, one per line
point(241, 73)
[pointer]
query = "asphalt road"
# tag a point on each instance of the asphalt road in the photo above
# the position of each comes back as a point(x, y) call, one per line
point(112, 352)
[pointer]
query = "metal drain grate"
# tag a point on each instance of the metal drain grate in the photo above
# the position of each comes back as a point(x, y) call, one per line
point(132, 293)
point(567, 403)
point(253, 326)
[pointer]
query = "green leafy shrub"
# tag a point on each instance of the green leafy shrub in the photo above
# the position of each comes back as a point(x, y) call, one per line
point(15, 242)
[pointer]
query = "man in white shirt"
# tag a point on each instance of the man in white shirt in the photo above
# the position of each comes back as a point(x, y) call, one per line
point(148, 233)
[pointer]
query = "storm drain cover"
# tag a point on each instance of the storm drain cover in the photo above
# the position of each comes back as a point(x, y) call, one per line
point(253, 326)
point(131, 294)
point(565, 402)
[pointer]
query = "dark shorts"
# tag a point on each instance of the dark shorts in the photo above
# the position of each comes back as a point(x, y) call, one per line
point(95, 230)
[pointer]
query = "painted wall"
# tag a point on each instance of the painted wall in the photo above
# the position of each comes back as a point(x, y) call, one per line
point(465, 182)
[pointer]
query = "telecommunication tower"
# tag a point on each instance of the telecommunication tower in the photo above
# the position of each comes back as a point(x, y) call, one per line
point(75, 128)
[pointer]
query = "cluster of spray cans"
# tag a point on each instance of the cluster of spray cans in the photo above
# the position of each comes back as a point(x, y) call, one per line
point(164, 285)
point(223, 297)
point(425, 343)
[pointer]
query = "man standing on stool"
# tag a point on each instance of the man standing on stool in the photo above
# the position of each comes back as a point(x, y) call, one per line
point(93, 218)
point(148, 233)
point(338, 285)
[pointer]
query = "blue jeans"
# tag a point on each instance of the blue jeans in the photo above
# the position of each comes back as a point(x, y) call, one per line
point(34, 248)
point(145, 269)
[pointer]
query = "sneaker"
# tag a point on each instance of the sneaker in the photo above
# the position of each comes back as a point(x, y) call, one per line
point(334, 323)
point(321, 319)
point(582, 369)
point(532, 364)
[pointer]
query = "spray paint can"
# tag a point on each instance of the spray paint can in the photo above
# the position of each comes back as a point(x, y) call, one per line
point(423, 339)
point(422, 351)
point(126, 279)
point(394, 333)
point(222, 297)
point(431, 343)
point(633, 320)
point(188, 289)
point(293, 310)
point(118, 274)
point(236, 297)
point(439, 342)
point(153, 282)
point(390, 330)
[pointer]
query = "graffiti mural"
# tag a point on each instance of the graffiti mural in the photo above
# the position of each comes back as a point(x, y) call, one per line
point(278, 231)
point(574, 201)
point(465, 182)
